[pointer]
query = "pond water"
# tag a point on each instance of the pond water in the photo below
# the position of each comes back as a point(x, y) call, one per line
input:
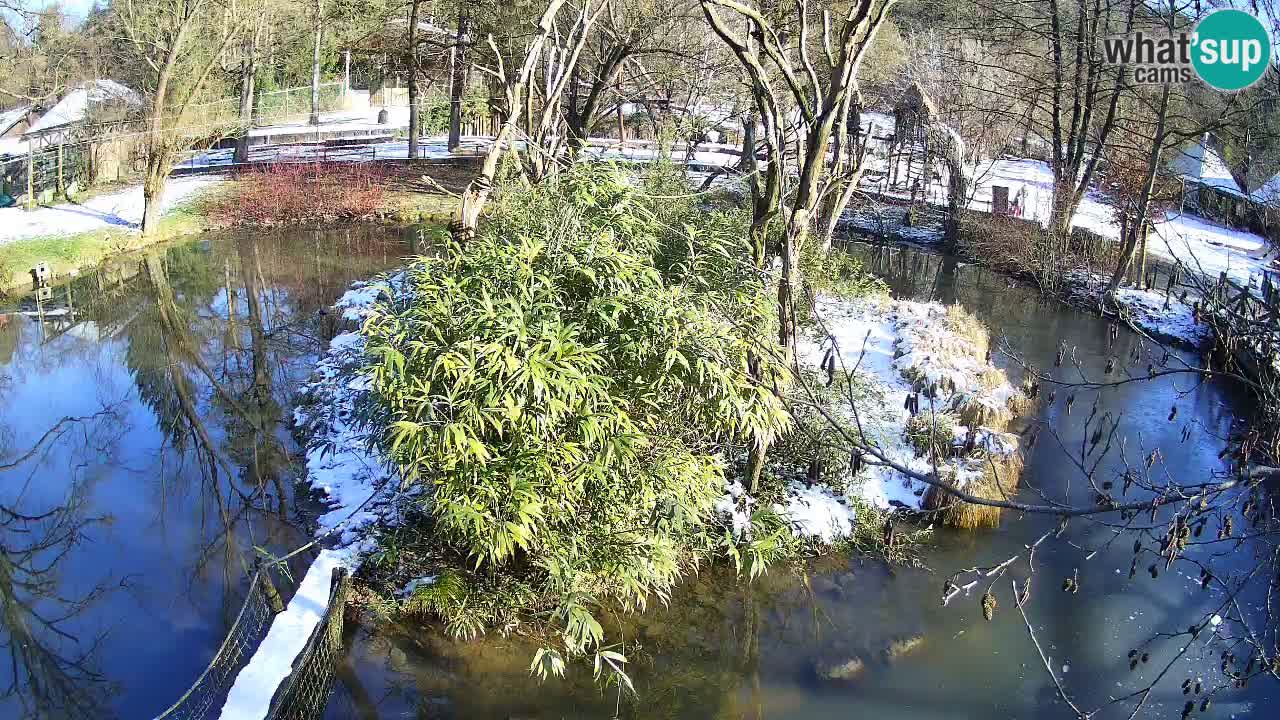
point(128, 529)
point(724, 649)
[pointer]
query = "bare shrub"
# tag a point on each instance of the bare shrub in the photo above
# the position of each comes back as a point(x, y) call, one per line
point(302, 193)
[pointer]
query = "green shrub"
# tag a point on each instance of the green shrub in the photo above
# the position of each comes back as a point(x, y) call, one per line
point(932, 434)
point(565, 386)
point(836, 272)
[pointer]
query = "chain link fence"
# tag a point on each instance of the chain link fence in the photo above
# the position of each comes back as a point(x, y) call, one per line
point(246, 632)
point(305, 692)
point(272, 107)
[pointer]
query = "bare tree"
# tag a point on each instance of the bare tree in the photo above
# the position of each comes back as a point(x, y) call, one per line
point(180, 42)
point(514, 87)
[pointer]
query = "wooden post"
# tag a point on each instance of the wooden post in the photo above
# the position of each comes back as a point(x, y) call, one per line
point(346, 61)
point(268, 587)
point(31, 178)
point(62, 185)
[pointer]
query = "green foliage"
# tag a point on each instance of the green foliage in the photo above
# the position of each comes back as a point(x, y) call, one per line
point(434, 113)
point(837, 273)
point(932, 434)
point(564, 385)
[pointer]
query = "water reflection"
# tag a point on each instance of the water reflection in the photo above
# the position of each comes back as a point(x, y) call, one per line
point(145, 456)
point(722, 650)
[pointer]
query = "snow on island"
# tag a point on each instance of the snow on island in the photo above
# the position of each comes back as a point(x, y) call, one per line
point(898, 349)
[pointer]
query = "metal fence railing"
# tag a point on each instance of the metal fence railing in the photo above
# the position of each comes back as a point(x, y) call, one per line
point(272, 107)
point(305, 692)
point(243, 637)
point(50, 172)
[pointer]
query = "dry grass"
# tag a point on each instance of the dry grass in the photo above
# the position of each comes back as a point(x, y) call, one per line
point(964, 324)
point(1001, 475)
point(932, 433)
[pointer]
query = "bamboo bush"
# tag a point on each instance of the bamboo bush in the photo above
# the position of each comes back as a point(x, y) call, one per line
point(565, 386)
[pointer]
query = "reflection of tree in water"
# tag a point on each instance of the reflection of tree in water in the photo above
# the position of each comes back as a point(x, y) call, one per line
point(53, 667)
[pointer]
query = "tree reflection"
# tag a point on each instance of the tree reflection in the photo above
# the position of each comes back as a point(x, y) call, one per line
point(53, 662)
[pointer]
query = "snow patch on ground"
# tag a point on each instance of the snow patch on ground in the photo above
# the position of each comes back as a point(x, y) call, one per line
point(1164, 317)
point(889, 341)
point(342, 463)
point(1196, 242)
point(120, 210)
point(817, 512)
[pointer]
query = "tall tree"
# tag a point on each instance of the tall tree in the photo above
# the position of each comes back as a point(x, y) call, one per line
point(248, 80)
point(459, 73)
point(781, 72)
point(318, 29)
point(179, 44)
point(415, 121)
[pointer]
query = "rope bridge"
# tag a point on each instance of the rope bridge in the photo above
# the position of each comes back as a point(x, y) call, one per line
point(305, 692)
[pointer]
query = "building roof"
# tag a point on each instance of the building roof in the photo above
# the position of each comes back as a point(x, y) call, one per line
point(1268, 193)
point(13, 116)
point(74, 106)
point(1196, 162)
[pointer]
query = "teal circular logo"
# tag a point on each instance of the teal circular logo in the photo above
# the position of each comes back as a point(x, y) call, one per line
point(1231, 49)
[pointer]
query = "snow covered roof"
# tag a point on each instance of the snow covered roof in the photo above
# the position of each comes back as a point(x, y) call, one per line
point(1268, 193)
point(74, 106)
point(1197, 162)
point(13, 116)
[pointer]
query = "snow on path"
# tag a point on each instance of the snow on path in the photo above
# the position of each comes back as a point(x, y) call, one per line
point(1195, 241)
point(118, 210)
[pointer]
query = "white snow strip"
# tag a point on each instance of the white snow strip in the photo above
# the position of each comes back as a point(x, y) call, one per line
point(250, 696)
point(121, 210)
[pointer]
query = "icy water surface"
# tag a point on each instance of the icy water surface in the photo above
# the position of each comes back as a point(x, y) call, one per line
point(145, 452)
point(726, 650)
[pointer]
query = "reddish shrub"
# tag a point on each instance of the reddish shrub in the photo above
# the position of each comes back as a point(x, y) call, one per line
point(303, 193)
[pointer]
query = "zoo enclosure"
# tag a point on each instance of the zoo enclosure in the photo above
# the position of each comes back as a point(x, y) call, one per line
point(305, 692)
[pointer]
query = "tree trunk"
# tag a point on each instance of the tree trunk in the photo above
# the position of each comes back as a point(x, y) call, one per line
point(415, 126)
point(248, 76)
point(622, 120)
point(581, 119)
point(1144, 200)
point(153, 186)
point(748, 161)
point(957, 187)
point(315, 66)
point(458, 82)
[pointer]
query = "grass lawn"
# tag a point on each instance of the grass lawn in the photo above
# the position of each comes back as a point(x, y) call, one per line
point(68, 253)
